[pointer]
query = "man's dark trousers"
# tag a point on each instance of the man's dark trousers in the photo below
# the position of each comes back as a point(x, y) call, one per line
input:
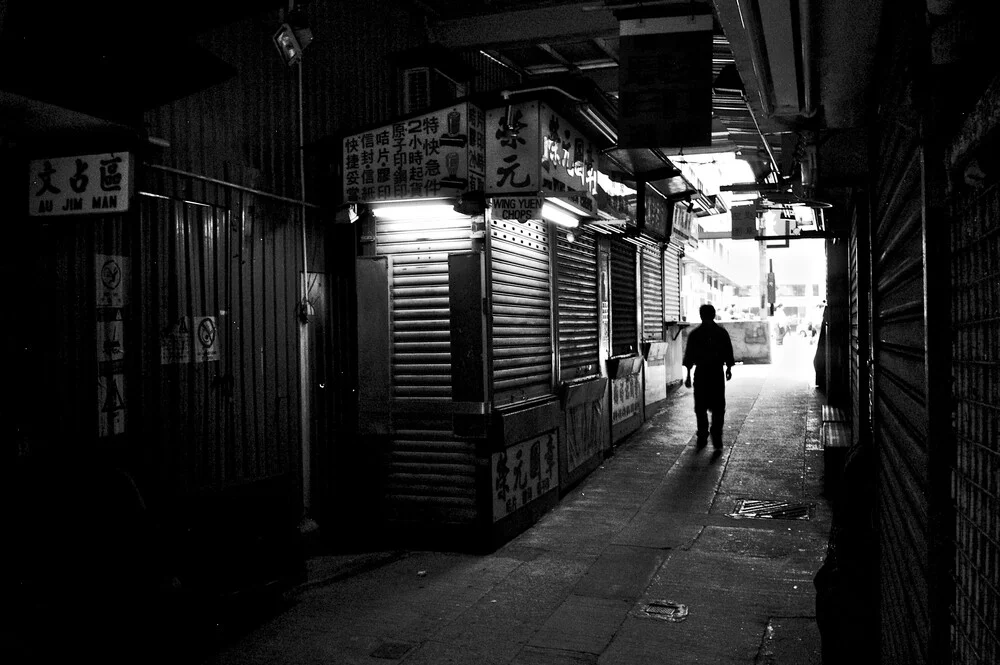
point(710, 395)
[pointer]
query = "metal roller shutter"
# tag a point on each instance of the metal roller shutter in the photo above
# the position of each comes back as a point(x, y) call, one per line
point(975, 266)
point(624, 325)
point(901, 416)
point(418, 273)
point(672, 282)
point(652, 293)
point(577, 305)
point(854, 317)
point(522, 310)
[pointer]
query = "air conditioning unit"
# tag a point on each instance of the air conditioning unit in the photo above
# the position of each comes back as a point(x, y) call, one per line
point(427, 87)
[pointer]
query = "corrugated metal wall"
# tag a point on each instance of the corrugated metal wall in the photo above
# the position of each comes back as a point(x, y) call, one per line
point(858, 261)
point(975, 239)
point(521, 294)
point(671, 282)
point(577, 310)
point(245, 130)
point(624, 322)
point(215, 251)
point(901, 418)
point(652, 293)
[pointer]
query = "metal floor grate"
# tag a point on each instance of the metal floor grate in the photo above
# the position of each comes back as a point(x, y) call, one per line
point(773, 510)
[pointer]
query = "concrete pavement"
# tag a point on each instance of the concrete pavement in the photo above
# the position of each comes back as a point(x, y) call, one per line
point(591, 581)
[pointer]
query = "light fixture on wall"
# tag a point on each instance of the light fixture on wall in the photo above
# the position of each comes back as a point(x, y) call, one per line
point(415, 210)
point(558, 216)
point(288, 46)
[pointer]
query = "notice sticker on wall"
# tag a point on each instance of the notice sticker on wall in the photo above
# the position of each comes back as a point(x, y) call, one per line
point(175, 343)
point(112, 280)
point(110, 404)
point(206, 336)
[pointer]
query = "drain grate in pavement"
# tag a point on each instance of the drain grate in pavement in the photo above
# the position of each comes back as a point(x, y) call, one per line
point(666, 610)
point(773, 510)
point(392, 650)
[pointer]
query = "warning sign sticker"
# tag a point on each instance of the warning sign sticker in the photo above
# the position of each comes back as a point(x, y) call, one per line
point(110, 340)
point(206, 334)
point(112, 280)
point(175, 343)
point(110, 404)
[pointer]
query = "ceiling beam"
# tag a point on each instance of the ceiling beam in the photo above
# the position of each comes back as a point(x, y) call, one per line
point(552, 25)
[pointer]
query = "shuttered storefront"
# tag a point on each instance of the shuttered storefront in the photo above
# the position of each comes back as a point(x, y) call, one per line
point(858, 262)
point(624, 324)
point(901, 415)
point(430, 474)
point(975, 267)
point(578, 325)
point(652, 293)
point(522, 306)
point(671, 282)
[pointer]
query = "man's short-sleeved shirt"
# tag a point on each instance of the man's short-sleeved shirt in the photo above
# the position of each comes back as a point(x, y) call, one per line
point(709, 347)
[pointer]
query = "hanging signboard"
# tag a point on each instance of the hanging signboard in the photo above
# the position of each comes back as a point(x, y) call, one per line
point(79, 185)
point(665, 82)
point(531, 149)
point(437, 154)
point(744, 222)
point(685, 226)
point(656, 215)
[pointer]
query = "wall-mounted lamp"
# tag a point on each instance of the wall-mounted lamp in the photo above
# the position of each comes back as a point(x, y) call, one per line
point(288, 46)
point(471, 203)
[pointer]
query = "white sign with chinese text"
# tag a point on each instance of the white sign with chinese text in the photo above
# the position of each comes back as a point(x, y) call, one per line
point(530, 148)
point(524, 472)
point(625, 398)
point(80, 185)
point(433, 155)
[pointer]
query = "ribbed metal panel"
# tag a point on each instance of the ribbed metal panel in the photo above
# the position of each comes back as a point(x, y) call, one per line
point(624, 322)
point(901, 418)
point(522, 306)
point(577, 311)
point(652, 293)
point(854, 315)
point(672, 282)
point(431, 475)
point(237, 257)
point(418, 273)
point(976, 477)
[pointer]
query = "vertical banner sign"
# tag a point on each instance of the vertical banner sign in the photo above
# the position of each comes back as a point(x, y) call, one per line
point(433, 155)
point(665, 82)
point(79, 185)
point(744, 222)
point(112, 275)
point(524, 472)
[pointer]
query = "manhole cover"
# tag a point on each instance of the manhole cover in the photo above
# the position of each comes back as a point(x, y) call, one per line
point(666, 610)
point(392, 650)
point(773, 510)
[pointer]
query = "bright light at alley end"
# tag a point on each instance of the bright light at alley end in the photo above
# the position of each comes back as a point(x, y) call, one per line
point(560, 217)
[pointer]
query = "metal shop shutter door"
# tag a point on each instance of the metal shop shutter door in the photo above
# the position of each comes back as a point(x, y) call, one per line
point(418, 296)
point(577, 305)
point(624, 325)
point(522, 310)
point(652, 293)
point(672, 282)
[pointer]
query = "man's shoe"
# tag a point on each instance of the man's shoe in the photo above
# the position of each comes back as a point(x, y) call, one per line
point(701, 443)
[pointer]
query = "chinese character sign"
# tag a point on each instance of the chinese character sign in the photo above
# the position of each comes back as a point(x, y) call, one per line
point(569, 160)
point(432, 155)
point(513, 156)
point(79, 185)
point(524, 472)
point(656, 214)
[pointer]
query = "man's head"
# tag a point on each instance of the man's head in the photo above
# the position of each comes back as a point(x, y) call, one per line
point(706, 312)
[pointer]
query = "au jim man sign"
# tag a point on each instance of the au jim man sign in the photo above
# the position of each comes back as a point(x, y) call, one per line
point(79, 185)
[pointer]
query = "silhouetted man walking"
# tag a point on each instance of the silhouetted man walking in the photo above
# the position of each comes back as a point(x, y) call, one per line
point(709, 347)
